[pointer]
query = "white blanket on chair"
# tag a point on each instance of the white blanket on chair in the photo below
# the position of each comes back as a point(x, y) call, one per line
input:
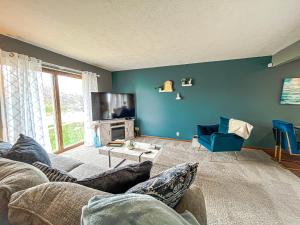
point(240, 128)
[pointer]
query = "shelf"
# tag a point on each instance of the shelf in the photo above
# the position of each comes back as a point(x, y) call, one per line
point(160, 91)
point(186, 85)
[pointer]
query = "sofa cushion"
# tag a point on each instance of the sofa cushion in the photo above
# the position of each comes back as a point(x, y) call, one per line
point(16, 176)
point(28, 150)
point(86, 170)
point(54, 174)
point(55, 203)
point(170, 185)
point(119, 180)
point(193, 201)
point(224, 125)
point(63, 163)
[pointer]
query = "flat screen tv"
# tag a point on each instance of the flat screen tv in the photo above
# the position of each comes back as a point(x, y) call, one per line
point(108, 106)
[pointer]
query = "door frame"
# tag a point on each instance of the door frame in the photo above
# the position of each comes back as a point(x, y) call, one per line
point(57, 109)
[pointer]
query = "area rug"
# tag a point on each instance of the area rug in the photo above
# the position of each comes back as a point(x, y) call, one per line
point(246, 187)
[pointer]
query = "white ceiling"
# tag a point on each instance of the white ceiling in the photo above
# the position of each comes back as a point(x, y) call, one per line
point(130, 34)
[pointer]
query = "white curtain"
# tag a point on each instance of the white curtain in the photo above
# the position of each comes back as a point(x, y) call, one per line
point(22, 102)
point(89, 84)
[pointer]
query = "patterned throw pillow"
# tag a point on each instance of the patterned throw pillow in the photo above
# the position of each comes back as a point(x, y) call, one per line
point(170, 185)
point(54, 175)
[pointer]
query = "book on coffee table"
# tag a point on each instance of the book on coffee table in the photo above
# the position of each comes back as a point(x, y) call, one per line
point(115, 144)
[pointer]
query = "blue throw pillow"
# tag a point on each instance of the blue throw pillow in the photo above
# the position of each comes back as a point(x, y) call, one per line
point(224, 124)
point(28, 151)
point(132, 209)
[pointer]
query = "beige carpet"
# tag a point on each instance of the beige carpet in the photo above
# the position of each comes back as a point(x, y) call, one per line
point(239, 188)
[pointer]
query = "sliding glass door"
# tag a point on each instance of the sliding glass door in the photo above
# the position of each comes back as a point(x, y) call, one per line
point(64, 109)
point(71, 101)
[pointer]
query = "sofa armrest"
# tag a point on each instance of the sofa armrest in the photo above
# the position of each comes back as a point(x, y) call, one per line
point(221, 141)
point(193, 201)
point(232, 136)
point(207, 129)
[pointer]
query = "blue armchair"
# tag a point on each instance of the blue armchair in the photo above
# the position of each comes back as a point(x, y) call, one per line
point(287, 138)
point(216, 139)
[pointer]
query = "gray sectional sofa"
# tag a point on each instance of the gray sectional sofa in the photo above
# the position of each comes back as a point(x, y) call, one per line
point(14, 184)
point(193, 199)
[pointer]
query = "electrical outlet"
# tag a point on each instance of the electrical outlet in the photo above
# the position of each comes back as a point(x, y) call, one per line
point(177, 133)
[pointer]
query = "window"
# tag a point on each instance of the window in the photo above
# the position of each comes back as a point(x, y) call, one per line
point(64, 109)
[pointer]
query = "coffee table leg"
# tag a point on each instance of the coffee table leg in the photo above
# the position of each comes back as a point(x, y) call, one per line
point(120, 163)
point(109, 159)
point(140, 156)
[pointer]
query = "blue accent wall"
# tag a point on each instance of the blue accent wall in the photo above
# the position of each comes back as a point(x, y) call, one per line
point(244, 89)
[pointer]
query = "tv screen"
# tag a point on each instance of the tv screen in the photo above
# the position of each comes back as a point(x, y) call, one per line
point(107, 106)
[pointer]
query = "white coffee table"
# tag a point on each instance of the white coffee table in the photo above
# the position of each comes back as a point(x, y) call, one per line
point(137, 154)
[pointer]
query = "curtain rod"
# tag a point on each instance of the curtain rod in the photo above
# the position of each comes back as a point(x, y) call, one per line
point(51, 66)
point(60, 68)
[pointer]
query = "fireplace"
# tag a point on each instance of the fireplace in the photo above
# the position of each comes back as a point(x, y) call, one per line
point(110, 130)
point(117, 133)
